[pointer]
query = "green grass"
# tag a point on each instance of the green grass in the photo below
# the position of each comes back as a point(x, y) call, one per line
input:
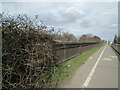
point(65, 70)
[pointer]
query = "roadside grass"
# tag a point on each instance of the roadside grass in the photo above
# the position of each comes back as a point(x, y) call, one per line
point(65, 70)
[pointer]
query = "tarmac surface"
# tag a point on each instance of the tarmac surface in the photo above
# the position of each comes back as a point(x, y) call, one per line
point(99, 71)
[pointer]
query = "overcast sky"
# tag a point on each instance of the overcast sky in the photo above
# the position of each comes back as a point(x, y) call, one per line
point(97, 18)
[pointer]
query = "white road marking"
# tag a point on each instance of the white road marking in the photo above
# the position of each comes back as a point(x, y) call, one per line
point(114, 57)
point(86, 83)
point(111, 58)
point(107, 59)
point(90, 58)
point(104, 59)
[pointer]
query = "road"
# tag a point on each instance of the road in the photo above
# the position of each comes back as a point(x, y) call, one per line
point(99, 71)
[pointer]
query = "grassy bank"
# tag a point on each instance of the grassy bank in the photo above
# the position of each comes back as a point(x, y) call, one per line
point(65, 70)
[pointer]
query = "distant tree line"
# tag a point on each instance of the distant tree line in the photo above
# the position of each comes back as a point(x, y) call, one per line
point(89, 38)
point(60, 36)
point(65, 37)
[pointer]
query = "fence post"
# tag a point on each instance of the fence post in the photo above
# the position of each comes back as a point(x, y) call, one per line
point(64, 51)
point(79, 49)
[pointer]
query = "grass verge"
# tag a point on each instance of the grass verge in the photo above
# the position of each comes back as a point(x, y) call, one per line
point(66, 69)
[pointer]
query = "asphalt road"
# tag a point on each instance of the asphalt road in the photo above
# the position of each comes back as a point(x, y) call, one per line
point(99, 71)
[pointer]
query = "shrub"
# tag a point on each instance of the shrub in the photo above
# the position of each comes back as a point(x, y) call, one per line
point(27, 53)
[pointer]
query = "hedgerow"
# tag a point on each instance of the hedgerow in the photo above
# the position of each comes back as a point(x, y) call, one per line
point(27, 53)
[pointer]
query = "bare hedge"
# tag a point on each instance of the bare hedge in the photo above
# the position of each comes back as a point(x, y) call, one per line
point(27, 53)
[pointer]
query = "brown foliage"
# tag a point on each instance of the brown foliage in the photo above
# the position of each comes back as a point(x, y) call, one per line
point(89, 38)
point(27, 53)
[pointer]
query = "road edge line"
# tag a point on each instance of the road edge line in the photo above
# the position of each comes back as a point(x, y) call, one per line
point(87, 81)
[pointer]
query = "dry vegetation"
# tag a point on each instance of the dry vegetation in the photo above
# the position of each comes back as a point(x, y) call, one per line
point(89, 38)
point(27, 53)
point(28, 60)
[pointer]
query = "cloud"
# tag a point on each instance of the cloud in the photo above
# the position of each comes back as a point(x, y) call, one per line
point(60, 0)
point(86, 23)
point(77, 18)
point(114, 26)
point(64, 16)
point(71, 14)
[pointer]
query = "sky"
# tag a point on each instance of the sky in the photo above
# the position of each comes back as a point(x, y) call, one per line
point(97, 18)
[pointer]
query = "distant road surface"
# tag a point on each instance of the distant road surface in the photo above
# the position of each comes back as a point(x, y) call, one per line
point(100, 71)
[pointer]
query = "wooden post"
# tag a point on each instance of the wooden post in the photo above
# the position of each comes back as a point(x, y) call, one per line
point(64, 51)
point(80, 49)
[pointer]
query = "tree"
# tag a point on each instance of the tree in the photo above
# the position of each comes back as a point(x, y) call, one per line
point(89, 38)
point(115, 39)
point(118, 38)
point(69, 37)
point(97, 38)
